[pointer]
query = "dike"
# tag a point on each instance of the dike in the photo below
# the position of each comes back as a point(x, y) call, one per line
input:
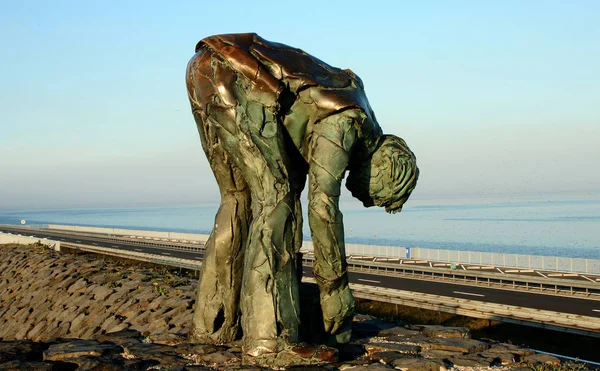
point(65, 311)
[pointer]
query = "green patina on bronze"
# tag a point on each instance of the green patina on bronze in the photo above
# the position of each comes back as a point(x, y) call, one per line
point(269, 115)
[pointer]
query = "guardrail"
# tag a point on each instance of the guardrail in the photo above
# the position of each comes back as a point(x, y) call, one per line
point(132, 232)
point(520, 261)
point(140, 256)
point(547, 263)
point(477, 278)
point(150, 242)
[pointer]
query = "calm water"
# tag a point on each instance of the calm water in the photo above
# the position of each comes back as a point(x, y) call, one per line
point(538, 227)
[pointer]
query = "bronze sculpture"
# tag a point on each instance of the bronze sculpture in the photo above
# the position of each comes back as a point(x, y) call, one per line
point(269, 115)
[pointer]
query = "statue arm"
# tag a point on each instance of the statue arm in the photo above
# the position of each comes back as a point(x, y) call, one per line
point(332, 142)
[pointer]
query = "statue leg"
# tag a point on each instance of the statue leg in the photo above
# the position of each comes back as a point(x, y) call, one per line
point(216, 315)
point(251, 136)
point(269, 298)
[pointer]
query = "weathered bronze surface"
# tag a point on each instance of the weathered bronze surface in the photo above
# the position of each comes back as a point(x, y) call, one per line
point(269, 115)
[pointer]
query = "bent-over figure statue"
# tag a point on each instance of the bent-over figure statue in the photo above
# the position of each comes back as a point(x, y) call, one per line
point(269, 115)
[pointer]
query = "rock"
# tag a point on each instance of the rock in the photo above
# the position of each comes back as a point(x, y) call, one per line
point(36, 330)
point(219, 357)
point(416, 364)
point(391, 347)
point(59, 332)
point(457, 345)
point(166, 339)
point(389, 357)
point(397, 331)
point(359, 317)
point(446, 332)
point(501, 358)
point(120, 337)
point(79, 286)
point(470, 360)
point(20, 330)
point(26, 366)
point(438, 354)
point(155, 326)
point(77, 323)
point(101, 292)
point(536, 359)
point(416, 338)
point(510, 348)
point(373, 366)
point(118, 327)
point(199, 349)
point(326, 354)
point(98, 363)
point(80, 348)
point(370, 327)
point(348, 352)
point(24, 350)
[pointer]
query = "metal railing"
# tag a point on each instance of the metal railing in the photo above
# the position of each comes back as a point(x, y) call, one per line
point(545, 263)
point(519, 261)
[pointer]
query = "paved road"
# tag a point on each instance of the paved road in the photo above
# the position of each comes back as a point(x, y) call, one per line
point(523, 299)
point(560, 304)
point(123, 245)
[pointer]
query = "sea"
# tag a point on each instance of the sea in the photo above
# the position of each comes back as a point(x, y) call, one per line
point(550, 226)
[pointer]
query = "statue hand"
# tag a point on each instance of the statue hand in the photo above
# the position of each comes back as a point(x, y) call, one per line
point(338, 308)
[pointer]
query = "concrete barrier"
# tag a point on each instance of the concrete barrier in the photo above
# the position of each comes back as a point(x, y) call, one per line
point(6, 238)
point(133, 232)
point(367, 250)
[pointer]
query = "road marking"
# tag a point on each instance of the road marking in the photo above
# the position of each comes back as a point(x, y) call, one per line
point(93, 243)
point(198, 258)
point(166, 253)
point(372, 281)
point(62, 239)
point(77, 241)
point(115, 246)
point(467, 293)
point(138, 249)
point(596, 310)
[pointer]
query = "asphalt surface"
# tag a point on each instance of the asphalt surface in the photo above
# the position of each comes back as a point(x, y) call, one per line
point(586, 307)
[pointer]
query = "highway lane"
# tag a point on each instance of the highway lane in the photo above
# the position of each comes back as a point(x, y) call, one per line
point(517, 298)
point(561, 304)
point(122, 245)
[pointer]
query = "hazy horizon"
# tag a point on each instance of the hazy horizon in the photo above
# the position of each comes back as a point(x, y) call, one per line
point(495, 99)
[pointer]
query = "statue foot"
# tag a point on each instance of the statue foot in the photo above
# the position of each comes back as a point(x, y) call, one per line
point(202, 337)
point(260, 347)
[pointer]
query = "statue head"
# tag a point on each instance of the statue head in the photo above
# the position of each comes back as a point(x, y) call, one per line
point(387, 177)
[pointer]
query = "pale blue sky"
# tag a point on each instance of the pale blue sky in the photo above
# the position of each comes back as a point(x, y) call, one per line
point(493, 97)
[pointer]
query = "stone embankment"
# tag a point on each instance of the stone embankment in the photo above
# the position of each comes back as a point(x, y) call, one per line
point(46, 295)
point(61, 311)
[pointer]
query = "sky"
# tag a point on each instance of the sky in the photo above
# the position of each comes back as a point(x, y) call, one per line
point(494, 98)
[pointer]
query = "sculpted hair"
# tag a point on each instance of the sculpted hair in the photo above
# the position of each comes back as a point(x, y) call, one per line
point(387, 178)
